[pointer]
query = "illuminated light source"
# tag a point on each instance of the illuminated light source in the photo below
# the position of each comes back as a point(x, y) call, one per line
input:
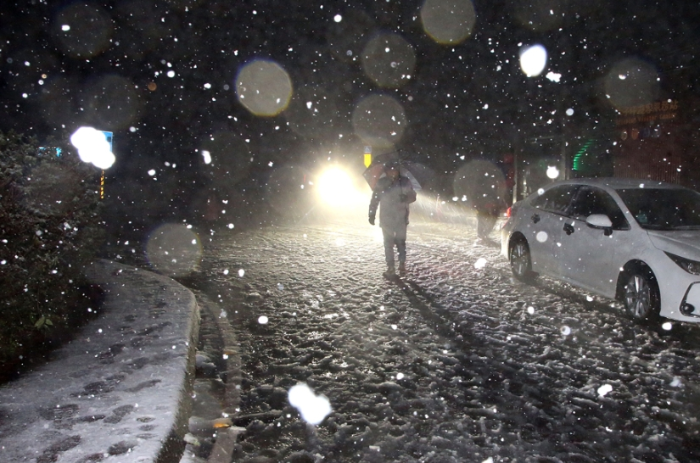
point(368, 156)
point(93, 147)
point(552, 172)
point(335, 187)
point(578, 162)
point(533, 60)
point(264, 88)
point(448, 22)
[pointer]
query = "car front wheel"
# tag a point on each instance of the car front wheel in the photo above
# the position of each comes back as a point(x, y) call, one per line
point(641, 296)
point(520, 260)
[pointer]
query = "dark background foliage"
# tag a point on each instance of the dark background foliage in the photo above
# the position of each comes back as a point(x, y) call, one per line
point(49, 231)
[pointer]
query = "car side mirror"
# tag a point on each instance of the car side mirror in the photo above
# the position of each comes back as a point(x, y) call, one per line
point(601, 221)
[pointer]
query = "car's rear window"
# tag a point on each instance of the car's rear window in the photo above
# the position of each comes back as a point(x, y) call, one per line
point(556, 199)
point(663, 208)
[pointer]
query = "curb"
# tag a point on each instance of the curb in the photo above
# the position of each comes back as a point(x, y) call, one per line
point(225, 439)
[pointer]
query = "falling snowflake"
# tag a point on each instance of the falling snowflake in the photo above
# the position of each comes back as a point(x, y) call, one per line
point(312, 408)
point(604, 389)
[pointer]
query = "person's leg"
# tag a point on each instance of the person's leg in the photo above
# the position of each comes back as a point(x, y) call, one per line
point(481, 224)
point(388, 247)
point(400, 239)
point(489, 223)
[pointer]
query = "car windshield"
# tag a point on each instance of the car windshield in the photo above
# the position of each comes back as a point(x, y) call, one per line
point(663, 209)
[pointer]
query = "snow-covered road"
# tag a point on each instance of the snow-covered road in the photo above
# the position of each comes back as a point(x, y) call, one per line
point(457, 362)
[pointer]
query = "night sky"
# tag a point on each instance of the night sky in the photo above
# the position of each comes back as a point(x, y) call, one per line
point(163, 76)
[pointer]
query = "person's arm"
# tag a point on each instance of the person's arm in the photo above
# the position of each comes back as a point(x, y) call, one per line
point(411, 196)
point(408, 193)
point(373, 204)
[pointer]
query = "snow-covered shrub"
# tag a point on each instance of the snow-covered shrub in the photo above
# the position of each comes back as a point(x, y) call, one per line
point(49, 231)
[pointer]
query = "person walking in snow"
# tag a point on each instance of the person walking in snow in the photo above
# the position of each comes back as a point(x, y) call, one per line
point(487, 212)
point(392, 194)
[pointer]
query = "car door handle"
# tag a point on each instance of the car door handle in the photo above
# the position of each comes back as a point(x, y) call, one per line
point(535, 218)
point(568, 228)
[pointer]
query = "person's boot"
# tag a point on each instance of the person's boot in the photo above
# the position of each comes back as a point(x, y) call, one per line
point(390, 272)
point(402, 268)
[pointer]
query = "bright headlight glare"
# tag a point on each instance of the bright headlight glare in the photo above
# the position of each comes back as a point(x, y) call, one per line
point(335, 186)
point(690, 266)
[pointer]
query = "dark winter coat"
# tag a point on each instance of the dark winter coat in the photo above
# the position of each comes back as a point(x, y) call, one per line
point(393, 200)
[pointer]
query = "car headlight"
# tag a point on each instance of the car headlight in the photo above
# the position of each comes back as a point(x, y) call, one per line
point(690, 266)
point(335, 187)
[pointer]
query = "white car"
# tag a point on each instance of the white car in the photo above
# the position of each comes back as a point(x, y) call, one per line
point(631, 240)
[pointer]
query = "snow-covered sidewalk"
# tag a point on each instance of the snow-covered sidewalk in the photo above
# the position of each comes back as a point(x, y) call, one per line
point(119, 391)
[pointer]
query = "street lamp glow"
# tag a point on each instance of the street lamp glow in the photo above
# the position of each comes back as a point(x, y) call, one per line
point(552, 172)
point(93, 147)
point(533, 60)
point(335, 187)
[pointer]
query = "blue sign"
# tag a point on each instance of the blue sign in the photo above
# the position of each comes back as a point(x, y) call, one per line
point(109, 136)
point(43, 150)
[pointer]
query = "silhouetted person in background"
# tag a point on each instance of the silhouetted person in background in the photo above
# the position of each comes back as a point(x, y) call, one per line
point(487, 212)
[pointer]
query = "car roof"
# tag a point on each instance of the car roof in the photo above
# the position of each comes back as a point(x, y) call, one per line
point(617, 183)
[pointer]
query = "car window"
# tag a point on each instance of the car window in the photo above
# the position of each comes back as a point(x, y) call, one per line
point(663, 208)
point(591, 200)
point(556, 199)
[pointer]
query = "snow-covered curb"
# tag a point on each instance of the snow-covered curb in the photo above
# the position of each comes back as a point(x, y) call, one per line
point(120, 391)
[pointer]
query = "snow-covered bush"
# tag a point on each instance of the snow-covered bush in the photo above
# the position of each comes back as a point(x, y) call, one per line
point(49, 231)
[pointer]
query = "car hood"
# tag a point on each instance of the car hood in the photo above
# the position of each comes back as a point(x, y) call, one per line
point(685, 243)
